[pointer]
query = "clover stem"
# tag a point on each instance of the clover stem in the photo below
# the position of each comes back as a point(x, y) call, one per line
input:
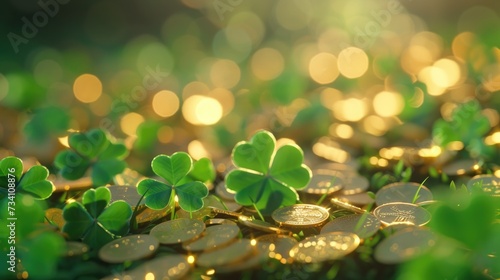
point(258, 212)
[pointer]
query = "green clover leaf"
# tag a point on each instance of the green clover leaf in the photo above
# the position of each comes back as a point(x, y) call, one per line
point(264, 177)
point(34, 182)
point(95, 220)
point(174, 169)
point(94, 149)
point(46, 123)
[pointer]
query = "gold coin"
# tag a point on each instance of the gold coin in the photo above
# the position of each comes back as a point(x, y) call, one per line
point(358, 199)
point(402, 192)
point(127, 193)
point(324, 182)
point(346, 206)
point(277, 246)
point(461, 167)
point(256, 257)
point(325, 247)
point(363, 225)
point(301, 216)
point(169, 267)
point(129, 248)
point(223, 192)
point(490, 184)
point(147, 215)
point(213, 222)
point(404, 245)
point(213, 237)
point(402, 213)
point(262, 225)
point(178, 231)
point(354, 184)
point(225, 213)
point(232, 253)
point(75, 248)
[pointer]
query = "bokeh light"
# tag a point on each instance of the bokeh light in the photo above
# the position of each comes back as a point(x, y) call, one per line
point(87, 88)
point(130, 122)
point(323, 68)
point(352, 62)
point(267, 64)
point(165, 103)
point(202, 110)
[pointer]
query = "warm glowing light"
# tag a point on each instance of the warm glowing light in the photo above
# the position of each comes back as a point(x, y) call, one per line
point(329, 96)
point(375, 125)
point(225, 73)
point(455, 146)
point(202, 110)
point(87, 88)
point(343, 131)
point(432, 152)
point(130, 122)
point(195, 88)
point(451, 71)
point(433, 77)
point(388, 104)
point(197, 150)
point(165, 103)
point(165, 134)
point(149, 276)
point(253, 242)
point(102, 106)
point(352, 62)
point(267, 64)
point(64, 141)
point(323, 68)
point(190, 259)
point(70, 200)
point(493, 139)
point(351, 109)
point(210, 272)
point(225, 98)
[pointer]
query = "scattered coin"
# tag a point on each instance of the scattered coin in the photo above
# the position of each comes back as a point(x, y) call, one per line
point(402, 213)
point(461, 167)
point(402, 192)
point(129, 248)
point(213, 222)
point(225, 213)
point(354, 184)
point(213, 237)
point(256, 257)
point(75, 249)
point(178, 231)
point(490, 184)
point(324, 181)
point(223, 192)
point(404, 245)
point(325, 247)
point(358, 199)
point(277, 246)
point(363, 225)
point(201, 214)
point(301, 216)
point(262, 225)
point(147, 215)
point(232, 253)
point(169, 267)
point(127, 193)
point(347, 206)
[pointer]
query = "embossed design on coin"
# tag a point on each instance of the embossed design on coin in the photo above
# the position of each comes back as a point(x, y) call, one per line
point(177, 231)
point(325, 247)
point(324, 181)
point(402, 213)
point(363, 225)
point(300, 216)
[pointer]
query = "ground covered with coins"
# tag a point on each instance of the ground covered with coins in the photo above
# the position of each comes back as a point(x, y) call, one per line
point(239, 139)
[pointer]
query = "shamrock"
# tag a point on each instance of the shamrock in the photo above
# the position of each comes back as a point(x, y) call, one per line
point(95, 220)
point(34, 182)
point(174, 169)
point(265, 177)
point(94, 149)
point(46, 122)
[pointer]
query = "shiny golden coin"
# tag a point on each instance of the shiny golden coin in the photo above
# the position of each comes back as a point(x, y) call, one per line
point(346, 206)
point(354, 184)
point(213, 237)
point(213, 222)
point(277, 246)
point(223, 192)
point(75, 249)
point(147, 215)
point(54, 216)
point(405, 245)
point(359, 199)
point(490, 184)
point(325, 247)
point(301, 216)
point(231, 253)
point(402, 213)
point(402, 192)
point(225, 213)
point(129, 248)
point(262, 225)
point(461, 167)
point(127, 193)
point(324, 182)
point(216, 202)
point(363, 225)
point(169, 267)
point(257, 257)
point(178, 231)
point(201, 214)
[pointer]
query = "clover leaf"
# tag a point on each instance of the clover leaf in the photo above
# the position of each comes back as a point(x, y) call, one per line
point(174, 170)
point(94, 149)
point(95, 220)
point(467, 124)
point(34, 182)
point(266, 177)
point(46, 122)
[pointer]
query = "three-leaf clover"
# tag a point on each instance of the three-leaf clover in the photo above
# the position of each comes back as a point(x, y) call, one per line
point(265, 177)
point(94, 149)
point(173, 169)
point(95, 220)
point(34, 182)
